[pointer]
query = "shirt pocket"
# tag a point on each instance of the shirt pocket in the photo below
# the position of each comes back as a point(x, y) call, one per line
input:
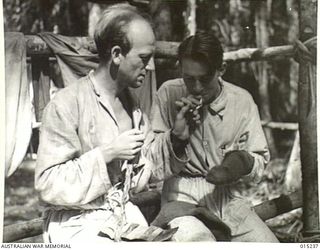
point(239, 144)
point(225, 148)
point(242, 143)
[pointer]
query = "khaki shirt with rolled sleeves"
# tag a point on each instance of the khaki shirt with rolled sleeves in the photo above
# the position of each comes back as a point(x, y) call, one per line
point(71, 172)
point(230, 122)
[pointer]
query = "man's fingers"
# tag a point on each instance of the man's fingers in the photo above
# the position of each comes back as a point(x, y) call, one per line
point(196, 117)
point(179, 104)
point(139, 137)
point(128, 157)
point(136, 145)
point(194, 99)
point(188, 102)
point(183, 111)
point(129, 154)
point(135, 151)
point(133, 132)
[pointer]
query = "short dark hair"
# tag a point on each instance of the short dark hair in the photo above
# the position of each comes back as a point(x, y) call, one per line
point(112, 29)
point(204, 45)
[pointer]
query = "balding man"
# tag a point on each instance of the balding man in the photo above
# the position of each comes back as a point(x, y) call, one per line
point(91, 128)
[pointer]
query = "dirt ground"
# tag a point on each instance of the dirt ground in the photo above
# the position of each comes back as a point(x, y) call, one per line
point(21, 202)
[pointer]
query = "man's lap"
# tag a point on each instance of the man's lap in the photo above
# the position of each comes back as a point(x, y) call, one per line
point(236, 213)
point(68, 226)
point(253, 229)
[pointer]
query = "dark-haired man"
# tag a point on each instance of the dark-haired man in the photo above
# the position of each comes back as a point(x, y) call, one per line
point(90, 129)
point(213, 127)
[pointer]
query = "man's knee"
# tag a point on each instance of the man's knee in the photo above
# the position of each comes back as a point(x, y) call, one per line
point(190, 229)
point(258, 230)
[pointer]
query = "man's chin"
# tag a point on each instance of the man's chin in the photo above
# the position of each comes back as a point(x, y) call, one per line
point(137, 84)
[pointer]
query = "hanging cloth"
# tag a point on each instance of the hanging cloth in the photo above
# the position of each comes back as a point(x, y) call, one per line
point(76, 59)
point(18, 106)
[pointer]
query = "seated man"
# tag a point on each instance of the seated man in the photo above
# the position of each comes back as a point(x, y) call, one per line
point(91, 129)
point(213, 127)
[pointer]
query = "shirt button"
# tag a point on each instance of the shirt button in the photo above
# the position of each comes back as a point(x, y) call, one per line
point(205, 143)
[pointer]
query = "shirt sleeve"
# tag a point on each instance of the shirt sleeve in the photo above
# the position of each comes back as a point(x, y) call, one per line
point(256, 143)
point(64, 175)
point(158, 147)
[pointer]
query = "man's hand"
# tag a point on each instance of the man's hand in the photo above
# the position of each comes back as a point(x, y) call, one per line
point(187, 117)
point(124, 147)
point(235, 165)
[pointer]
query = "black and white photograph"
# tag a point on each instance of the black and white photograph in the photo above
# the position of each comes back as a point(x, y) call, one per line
point(160, 121)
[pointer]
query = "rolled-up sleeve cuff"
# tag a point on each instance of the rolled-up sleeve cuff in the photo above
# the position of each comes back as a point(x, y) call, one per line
point(177, 163)
point(102, 168)
point(257, 170)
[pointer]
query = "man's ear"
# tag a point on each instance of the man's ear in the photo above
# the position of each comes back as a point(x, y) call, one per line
point(222, 69)
point(116, 54)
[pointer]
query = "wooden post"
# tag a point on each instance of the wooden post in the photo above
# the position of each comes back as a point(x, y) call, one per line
point(293, 35)
point(307, 122)
point(190, 18)
point(262, 40)
point(161, 16)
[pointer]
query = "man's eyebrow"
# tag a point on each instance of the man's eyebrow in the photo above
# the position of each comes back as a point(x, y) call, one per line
point(146, 54)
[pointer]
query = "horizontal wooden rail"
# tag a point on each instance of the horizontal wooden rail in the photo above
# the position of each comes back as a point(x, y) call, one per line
point(266, 210)
point(283, 204)
point(165, 49)
point(281, 125)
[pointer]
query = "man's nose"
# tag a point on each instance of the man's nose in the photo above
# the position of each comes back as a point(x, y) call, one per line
point(197, 87)
point(150, 65)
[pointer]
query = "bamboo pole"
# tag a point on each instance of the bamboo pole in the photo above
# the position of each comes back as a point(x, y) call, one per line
point(164, 49)
point(22, 230)
point(283, 204)
point(307, 114)
point(280, 125)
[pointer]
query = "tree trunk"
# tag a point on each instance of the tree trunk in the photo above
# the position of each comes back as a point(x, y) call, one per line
point(161, 16)
point(190, 18)
point(95, 11)
point(293, 173)
point(236, 25)
point(262, 40)
point(293, 35)
point(307, 120)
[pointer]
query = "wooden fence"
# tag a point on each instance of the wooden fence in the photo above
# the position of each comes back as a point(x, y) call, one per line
point(39, 55)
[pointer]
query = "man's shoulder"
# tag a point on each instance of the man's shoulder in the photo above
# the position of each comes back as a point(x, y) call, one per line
point(232, 88)
point(72, 92)
point(173, 84)
point(237, 92)
point(171, 90)
point(68, 97)
point(173, 87)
